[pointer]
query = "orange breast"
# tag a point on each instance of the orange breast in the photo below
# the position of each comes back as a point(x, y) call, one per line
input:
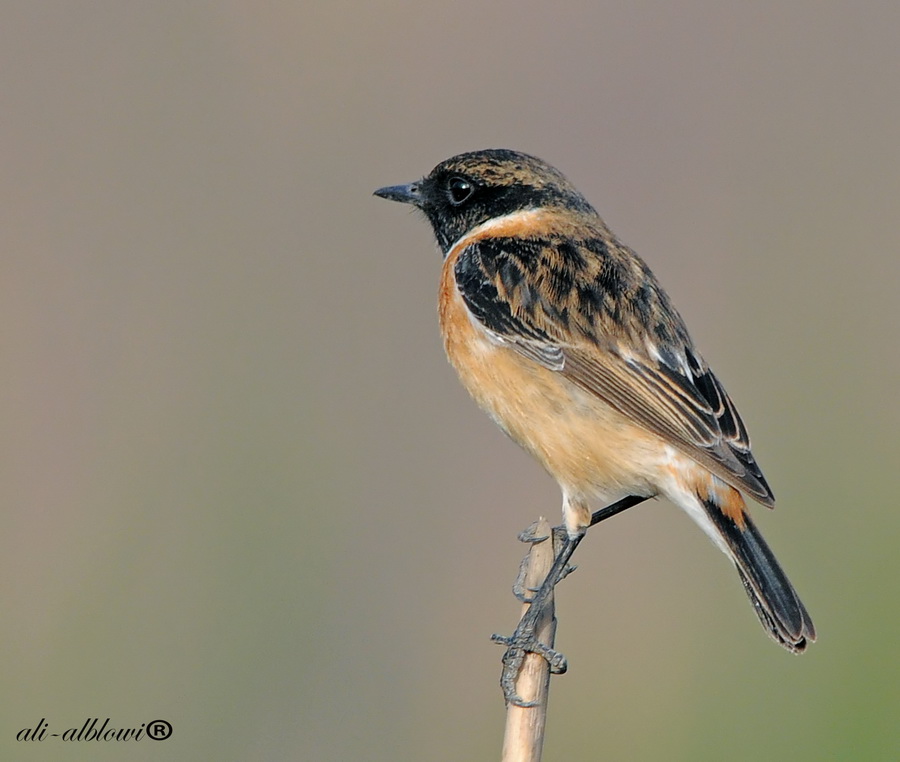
point(590, 448)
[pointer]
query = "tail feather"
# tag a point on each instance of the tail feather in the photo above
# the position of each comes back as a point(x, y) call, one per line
point(774, 599)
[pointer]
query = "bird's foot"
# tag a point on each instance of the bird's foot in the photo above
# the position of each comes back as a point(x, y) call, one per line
point(522, 642)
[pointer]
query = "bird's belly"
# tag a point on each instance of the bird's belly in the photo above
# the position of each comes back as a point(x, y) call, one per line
point(586, 445)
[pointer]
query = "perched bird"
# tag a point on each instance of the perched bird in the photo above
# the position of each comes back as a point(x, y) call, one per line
point(564, 336)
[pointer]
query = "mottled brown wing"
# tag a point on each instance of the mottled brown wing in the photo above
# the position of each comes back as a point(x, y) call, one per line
point(673, 406)
point(514, 293)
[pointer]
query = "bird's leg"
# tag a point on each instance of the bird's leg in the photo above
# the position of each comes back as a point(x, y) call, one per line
point(523, 640)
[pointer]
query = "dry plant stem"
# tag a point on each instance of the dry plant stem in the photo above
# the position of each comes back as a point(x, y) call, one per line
point(523, 739)
point(530, 659)
point(524, 640)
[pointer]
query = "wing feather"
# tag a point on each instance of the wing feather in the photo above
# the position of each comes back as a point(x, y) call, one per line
point(669, 391)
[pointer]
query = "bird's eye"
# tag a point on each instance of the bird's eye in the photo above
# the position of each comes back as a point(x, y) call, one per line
point(458, 190)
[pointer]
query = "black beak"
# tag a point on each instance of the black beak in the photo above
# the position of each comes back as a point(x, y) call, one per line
point(405, 194)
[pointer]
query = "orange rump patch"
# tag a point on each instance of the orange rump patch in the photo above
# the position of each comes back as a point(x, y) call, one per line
point(725, 497)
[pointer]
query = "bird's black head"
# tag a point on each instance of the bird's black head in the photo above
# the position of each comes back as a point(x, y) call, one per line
point(463, 192)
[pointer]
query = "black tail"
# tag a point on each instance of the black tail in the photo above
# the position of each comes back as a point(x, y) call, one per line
point(774, 599)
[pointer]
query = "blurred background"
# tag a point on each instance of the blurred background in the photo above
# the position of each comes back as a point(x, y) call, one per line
point(242, 490)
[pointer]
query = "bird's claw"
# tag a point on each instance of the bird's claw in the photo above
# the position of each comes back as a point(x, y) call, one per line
point(518, 645)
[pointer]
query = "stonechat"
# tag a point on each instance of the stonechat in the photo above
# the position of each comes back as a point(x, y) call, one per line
point(564, 336)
